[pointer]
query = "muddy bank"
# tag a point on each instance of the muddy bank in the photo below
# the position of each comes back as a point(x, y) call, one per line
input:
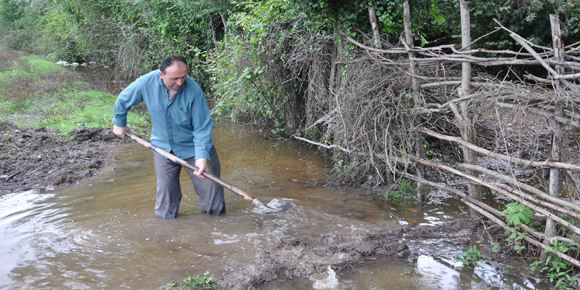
point(41, 158)
point(331, 255)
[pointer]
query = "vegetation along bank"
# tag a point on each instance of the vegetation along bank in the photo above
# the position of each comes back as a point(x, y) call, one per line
point(401, 94)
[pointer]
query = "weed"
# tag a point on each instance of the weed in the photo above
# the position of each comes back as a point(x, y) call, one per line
point(199, 282)
point(469, 258)
point(168, 286)
point(555, 268)
point(518, 213)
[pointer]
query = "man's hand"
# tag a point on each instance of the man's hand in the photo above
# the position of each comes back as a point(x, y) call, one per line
point(120, 131)
point(200, 163)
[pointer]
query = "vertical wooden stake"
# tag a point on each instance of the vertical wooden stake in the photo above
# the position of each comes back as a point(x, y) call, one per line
point(553, 183)
point(465, 124)
point(416, 87)
point(374, 26)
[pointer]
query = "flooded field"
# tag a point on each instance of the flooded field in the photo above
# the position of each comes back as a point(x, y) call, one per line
point(103, 233)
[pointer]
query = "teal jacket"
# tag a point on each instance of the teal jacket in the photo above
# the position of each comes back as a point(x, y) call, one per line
point(182, 125)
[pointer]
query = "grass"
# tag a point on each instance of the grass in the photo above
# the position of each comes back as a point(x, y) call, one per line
point(36, 92)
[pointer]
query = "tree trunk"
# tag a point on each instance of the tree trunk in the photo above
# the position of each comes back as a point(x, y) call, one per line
point(416, 87)
point(213, 33)
point(463, 115)
point(554, 180)
point(374, 26)
point(225, 22)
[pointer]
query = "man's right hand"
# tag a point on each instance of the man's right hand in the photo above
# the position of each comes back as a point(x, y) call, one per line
point(120, 131)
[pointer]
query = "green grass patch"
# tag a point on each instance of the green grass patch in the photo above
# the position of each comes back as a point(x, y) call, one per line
point(39, 65)
point(36, 92)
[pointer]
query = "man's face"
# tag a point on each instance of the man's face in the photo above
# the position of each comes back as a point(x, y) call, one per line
point(174, 76)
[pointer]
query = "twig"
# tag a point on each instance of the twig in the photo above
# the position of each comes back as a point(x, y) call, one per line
point(498, 189)
point(526, 238)
point(507, 158)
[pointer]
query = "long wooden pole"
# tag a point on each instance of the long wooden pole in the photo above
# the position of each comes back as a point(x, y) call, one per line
point(416, 89)
point(462, 114)
point(554, 179)
point(183, 163)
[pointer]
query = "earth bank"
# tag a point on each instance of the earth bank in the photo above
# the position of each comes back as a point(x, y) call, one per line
point(41, 158)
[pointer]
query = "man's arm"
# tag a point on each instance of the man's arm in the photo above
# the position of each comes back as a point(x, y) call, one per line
point(202, 131)
point(129, 97)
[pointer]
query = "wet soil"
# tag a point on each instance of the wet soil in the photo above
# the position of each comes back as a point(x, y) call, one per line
point(333, 254)
point(41, 158)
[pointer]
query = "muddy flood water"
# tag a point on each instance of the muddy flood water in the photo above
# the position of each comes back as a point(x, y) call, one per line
point(103, 233)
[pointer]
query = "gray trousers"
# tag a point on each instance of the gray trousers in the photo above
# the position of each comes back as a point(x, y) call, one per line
point(211, 194)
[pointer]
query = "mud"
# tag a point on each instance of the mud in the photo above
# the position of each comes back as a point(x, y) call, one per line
point(41, 158)
point(332, 254)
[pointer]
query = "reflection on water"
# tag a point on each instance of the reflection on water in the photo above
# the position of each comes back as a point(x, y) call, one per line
point(103, 233)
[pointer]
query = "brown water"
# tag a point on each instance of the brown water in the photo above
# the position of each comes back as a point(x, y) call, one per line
point(103, 233)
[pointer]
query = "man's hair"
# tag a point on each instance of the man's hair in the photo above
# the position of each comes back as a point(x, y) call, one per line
point(170, 60)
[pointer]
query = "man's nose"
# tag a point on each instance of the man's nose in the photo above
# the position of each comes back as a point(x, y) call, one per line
point(179, 82)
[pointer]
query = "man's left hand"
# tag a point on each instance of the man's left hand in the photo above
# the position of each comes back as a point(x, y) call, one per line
point(200, 163)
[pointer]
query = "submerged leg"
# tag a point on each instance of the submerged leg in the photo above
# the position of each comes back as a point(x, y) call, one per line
point(211, 194)
point(168, 188)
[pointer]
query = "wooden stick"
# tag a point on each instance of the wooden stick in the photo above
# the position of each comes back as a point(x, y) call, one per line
point(526, 238)
point(530, 189)
point(559, 119)
point(467, 199)
point(440, 84)
point(498, 189)
point(507, 158)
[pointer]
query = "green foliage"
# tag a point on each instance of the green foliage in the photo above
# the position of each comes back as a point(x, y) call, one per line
point(199, 282)
point(65, 105)
point(406, 192)
point(517, 213)
point(168, 286)
point(515, 241)
point(249, 66)
point(556, 269)
point(130, 35)
point(514, 237)
point(469, 258)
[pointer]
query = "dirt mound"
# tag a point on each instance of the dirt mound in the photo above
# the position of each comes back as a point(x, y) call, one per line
point(338, 252)
point(41, 158)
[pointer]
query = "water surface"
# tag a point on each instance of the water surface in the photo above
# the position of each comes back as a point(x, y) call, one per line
point(103, 233)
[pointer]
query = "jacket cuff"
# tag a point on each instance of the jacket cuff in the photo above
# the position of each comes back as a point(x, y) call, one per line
point(120, 121)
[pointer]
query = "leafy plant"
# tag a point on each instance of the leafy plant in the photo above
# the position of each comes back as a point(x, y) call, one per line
point(168, 286)
point(199, 282)
point(556, 269)
point(469, 258)
point(517, 213)
point(405, 190)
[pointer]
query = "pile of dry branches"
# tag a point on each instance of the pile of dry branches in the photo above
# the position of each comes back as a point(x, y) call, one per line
point(522, 132)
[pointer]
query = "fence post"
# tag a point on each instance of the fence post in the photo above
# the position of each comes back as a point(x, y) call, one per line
point(465, 125)
point(416, 87)
point(553, 183)
point(375, 27)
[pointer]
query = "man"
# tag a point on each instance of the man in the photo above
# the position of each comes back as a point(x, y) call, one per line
point(182, 126)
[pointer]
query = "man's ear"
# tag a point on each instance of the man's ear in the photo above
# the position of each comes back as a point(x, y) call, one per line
point(161, 74)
